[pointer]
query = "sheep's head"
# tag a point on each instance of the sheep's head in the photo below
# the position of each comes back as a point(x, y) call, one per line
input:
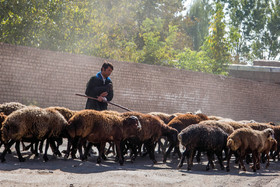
point(270, 133)
point(131, 126)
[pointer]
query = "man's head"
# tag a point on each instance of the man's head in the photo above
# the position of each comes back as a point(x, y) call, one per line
point(107, 69)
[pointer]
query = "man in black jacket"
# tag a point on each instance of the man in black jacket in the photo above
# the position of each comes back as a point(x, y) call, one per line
point(100, 87)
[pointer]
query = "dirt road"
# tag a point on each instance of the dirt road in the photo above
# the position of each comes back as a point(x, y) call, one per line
point(69, 172)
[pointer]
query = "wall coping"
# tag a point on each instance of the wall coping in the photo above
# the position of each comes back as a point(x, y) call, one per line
point(239, 67)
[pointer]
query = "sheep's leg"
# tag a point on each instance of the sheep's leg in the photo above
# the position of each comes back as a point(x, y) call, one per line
point(41, 146)
point(119, 153)
point(151, 149)
point(228, 160)
point(167, 153)
point(24, 148)
point(159, 145)
point(74, 147)
point(1, 143)
point(134, 151)
point(220, 159)
point(258, 161)
point(237, 156)
point(67, 152)
point(190, 159)
point(81, 142)
point(272, 154)
point(267, 164)
point(226, 150)
point(45, 157)
point(241, 163)
point(123, 147)
point(276, 154)
point(177, 150)
point(87, 149)
point(182, 159)
point(198, 156)
point(7, 148)
point(103, 156)
point(254, 155)
point(20, 158)
point(210, 160)
point(248, 159)
point(35, 151)
point(101, 151)
point(54, 147)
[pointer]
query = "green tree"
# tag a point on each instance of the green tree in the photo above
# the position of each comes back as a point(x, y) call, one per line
point(195, 61)
point(199, 16)
point(258, 38)
point(216, 45)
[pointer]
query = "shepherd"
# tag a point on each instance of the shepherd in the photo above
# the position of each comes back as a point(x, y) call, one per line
point(100, 86)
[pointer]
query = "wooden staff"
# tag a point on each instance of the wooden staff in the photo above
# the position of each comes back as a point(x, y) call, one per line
point(82, 95)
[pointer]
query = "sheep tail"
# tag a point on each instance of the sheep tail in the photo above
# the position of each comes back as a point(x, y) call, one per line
point(4, 134)
point(230, 143)
point(71, 128)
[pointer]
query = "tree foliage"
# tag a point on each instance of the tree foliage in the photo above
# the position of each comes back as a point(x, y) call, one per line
point(144, 31)
point(258, 23)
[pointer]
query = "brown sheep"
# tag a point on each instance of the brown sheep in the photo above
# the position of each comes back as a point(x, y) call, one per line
point(262, 126)
point(152, 129)
point(182, 121)
point(31, 123)
point(236, 125)
point(270, 145)
point(247, 140)
point(97, 127)
point(166, 118)
point(223, 125)
point(259, 126)
point(2, 119)
point(277, 137)
point(8, 108)
point(66, 112)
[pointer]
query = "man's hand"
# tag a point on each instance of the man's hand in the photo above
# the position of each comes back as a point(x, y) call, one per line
point(104, 94)
point(101, 99)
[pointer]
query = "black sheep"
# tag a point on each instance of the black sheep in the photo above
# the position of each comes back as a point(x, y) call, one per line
point(202, 138)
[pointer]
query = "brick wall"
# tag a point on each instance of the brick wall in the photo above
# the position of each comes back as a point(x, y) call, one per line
point(273, 63)
point(49, 78)
point(270, 77)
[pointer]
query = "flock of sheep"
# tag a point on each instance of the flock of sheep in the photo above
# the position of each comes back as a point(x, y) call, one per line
point(134, 133)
